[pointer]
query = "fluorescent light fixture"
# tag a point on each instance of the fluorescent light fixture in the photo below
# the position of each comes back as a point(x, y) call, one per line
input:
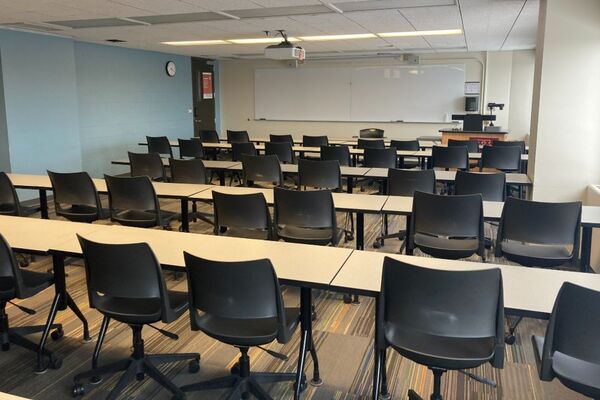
point(421, 33)
point(339, 37)
point(196, 42)
point(261, 40)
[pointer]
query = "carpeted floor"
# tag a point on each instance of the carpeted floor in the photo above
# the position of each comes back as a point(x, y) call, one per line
point(343, 335)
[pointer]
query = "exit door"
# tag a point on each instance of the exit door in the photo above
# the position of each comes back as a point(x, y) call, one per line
point(203, 80)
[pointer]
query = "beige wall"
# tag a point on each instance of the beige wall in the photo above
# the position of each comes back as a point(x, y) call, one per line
point(497, 84)
point(521, 93)
point(237, 95)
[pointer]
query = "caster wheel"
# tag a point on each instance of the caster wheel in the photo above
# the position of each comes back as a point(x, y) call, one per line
point(24, 263)
point(78, 390)
point(347, 299)
point(510, 339)
point(194, 366)
point(94, 380)
point(57, 334)
point(377, 245)
point(5, 346)
point(55, 363)
point(349, 237)
point(235, 370)
point(140, 376)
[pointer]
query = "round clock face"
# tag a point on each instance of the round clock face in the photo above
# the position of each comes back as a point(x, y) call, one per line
point(171, 69)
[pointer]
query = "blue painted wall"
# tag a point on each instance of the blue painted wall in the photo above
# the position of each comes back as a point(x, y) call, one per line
point(4, 153)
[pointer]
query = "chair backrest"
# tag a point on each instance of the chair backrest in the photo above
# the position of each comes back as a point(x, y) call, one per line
point(262, 169)
point(573, 327)
point(283, 151)
point(306, 209)
point(209, 136)
point(339, 153)
point(237, 136)
point(160, 145)
point(371, 133)
point(242, 149)
point(188, 171)
point(371, 144)
point(9, 200)
point(11, 281)
point(246, 211)
point(74, 188)
point(406, 145)
point(190, 148)
point(472, 145)
point(540, 222)
point(458, 304)
point(131, 193)
point(405, 182)
point(322, 174)
point(450, 157)
point(519, 143)
point(110, 270)
point(503, 158)
point(491, 186)
point(149, 165)
point(448, 216)
point(250, 287)
point(315, 141)
point(281, 139)
point(381, 158)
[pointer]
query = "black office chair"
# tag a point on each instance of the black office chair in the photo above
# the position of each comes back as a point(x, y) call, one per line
point(502, 158)
point(315, 141)
point(242, 215)
point(283, 151)
point(371, 133)
point(281, 139)
point(380, 158)
point(253, 315)
point(133, 202)
point(407, 145)
point(237, 136)
point(190, 148)
point(447, 157)
point(569, 351)
point(503, 143)
point(442, 319)
point(447, 226)
point(110, 270)
point(210, 136)
point(491, 186)
point(371, 144)
point(17, 283)
point(305, 217)
point(238, 150)
point(265, 169)
point(472, 145)
point(191, 171)
point(160, 145)
point(538, 234)
point(9, 200)
point(404, 183)
point(75, 197)
point(149, 165)
point(339, 153)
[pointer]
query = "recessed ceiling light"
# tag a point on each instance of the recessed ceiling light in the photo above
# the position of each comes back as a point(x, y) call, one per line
point(422, 33)
point(195, 42)
point(261, 40)
point(339, 37)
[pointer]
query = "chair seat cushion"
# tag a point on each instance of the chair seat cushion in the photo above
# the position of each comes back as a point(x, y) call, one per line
point(140, 311)
point(445, 352)
point(445, 247)
point(298, 234)
point(82, 213)
point(246, 233)
point(531, 254)
point(246, 331)
point(143, 219)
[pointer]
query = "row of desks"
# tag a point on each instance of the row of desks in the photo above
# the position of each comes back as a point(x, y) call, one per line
point(527, 291)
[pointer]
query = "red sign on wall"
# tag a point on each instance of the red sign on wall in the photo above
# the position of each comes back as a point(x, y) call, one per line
point(207, 85)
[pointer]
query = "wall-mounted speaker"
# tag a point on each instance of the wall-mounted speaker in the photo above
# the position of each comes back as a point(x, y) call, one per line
point(471, 103)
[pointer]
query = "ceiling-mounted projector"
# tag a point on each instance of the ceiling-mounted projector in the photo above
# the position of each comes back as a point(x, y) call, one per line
point(285, 50)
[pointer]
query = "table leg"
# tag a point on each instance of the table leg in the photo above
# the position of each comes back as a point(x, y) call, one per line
point(185, 223)
point(586, 248)
point(43, 204)
point(350, 185)
point(221, 177)
point(377, 356)
point(360, 231)
point(306, 342)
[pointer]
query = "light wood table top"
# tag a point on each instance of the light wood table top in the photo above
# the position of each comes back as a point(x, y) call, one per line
point(293, 169)
point(210, 164)
point(402, 205)
point(30, 181)
point(531, 290)
point(450, 176)
point(472, 156)
point(7, 396)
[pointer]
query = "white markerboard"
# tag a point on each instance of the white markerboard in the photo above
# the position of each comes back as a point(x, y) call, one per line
point(420, 93)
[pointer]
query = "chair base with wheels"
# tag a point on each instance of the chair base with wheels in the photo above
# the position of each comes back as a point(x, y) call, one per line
point(136, 367)
point(242, 382)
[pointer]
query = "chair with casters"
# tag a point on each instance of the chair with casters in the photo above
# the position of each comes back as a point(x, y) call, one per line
point(254, 315)
point(147, 164)
point(569, 350)
point(472, 145)
point(501, 158)
point(538, 234)
point(210, 136)
point(283, 151)
point(109, 271)
point(315, 141)
point(238, 150)
point(404, 182)
point(17, 283)
point(261, 169)
point(503, 143)
point(447, 157)
point(133, 202)
point(75, 197)
point(445, 320)
point(407, 145)
point(191, 171)
point(370, 144)
point(305, 217)
point(160, 145)
point(237, 136)
point(371, 133)
point(380, 158)
point(190, 148)
point(242, 215)
point(447, 226)
point(339, 153)
point(281, 139)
